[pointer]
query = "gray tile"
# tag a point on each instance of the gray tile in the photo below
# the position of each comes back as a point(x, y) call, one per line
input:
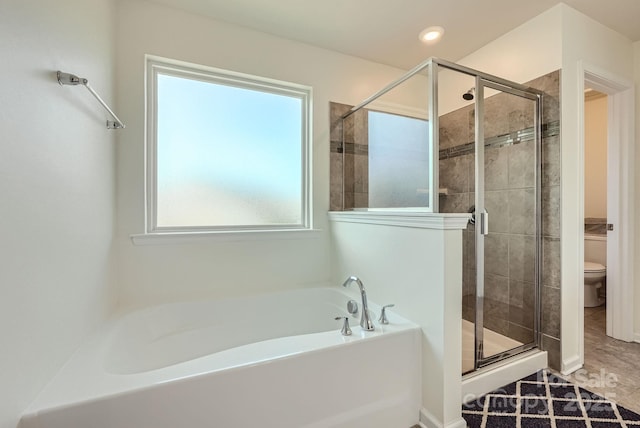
point(469, 254)
point(522, 258)
point(455, 203)
point(335, 181)
point(468, 311)
point(349, 172)
point(349, 200)
point(551, 311)
point(521, 334)
point(550, 85)
point(550, 109)
point(335, 197)
point(335, 202)
point(454, 128)
point(615, 359)
point(361, 174)
point(506, 113)
point(552, 346)
point(522, 303)
point(551, 262)
point(522, 165)
point(361, 127)
point(469, 282)
point(499, 325)
point(551, 211)
point(496, 254)
point(454, 174)
point(522, 215)
point(496, 169)
point(519, 118)
point(625, 354)
point(496, 315)
point(551, 161)
point(496, 204)
point(496, 115)
point(630, 400)
point(361, 200)
point(496, 288)
point(336, 111)
point(348, 126)
point(471, 165)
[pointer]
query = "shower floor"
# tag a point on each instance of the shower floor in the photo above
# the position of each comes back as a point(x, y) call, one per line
point(494, 343)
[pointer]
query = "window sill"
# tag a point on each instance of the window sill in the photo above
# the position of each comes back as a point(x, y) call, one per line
point(164, 238)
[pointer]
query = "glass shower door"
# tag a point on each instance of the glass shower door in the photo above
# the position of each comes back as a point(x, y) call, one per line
point(507, 229)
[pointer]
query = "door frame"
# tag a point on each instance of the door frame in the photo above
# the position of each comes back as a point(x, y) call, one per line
point(620, 200)
point(482, 224)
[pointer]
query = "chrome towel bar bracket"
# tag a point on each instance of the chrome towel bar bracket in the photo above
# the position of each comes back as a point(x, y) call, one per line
point(73, 80)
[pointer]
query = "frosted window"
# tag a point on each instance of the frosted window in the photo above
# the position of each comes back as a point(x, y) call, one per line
point(398, 161)
point(229, 153)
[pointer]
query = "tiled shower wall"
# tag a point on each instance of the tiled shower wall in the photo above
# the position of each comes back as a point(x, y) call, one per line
point(509, 198)
point(349, 151)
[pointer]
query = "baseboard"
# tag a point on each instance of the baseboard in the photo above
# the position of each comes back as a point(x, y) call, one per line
point(571, 365)
point(427, 420)
point(636, 337)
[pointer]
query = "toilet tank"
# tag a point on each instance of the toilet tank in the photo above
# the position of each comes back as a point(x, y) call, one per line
point(595, 248)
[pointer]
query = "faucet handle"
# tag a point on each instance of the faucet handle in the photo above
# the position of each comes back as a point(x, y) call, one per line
point(346, 330)
point(383, 315)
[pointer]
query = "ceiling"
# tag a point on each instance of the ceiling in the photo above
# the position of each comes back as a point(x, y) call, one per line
point(386, 31)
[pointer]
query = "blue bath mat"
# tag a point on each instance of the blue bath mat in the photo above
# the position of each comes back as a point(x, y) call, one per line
point(544, 400)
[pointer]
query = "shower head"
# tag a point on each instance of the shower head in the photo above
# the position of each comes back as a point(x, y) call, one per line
point(70, 79)
point(469, 94)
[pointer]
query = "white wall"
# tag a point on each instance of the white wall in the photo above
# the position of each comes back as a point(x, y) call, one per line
point(525, 53)
point(595, 158)
point(149, 274)
point(586, 40)
point(56, 188)
point(529, 51)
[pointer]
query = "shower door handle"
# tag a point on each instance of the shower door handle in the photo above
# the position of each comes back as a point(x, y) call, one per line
point(484, 222)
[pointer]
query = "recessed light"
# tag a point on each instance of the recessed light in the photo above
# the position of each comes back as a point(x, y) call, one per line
point(431, 34)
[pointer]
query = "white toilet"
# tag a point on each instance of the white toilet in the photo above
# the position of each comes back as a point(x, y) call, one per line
point(595, 271)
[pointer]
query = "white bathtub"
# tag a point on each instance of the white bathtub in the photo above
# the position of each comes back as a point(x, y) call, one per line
point(274, 360)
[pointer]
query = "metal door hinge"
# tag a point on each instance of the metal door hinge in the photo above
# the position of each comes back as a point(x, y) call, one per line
point(609, 226)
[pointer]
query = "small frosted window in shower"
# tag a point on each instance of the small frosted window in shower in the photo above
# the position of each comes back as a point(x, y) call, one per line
point(230, 152)
point(398, 161)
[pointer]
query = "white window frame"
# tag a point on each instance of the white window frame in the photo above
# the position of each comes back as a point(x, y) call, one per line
point(157, 65)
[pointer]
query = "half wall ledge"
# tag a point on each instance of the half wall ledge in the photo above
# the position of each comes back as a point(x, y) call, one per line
point(403, 218)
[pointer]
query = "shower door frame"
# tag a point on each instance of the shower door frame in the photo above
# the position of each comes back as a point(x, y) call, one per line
point(482, 223)
point(503, 85)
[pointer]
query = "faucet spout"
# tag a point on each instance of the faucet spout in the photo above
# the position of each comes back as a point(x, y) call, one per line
point(365, 320)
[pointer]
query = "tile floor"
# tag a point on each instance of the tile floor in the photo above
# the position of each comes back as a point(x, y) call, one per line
point(611, 367)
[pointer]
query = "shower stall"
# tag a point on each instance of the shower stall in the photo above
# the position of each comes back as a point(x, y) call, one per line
point(446, 138)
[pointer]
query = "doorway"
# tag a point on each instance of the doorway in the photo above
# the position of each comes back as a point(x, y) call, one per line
point(595, 219)
point(620, 200)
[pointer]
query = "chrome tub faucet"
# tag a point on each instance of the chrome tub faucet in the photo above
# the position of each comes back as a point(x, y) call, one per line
point(365, 321)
